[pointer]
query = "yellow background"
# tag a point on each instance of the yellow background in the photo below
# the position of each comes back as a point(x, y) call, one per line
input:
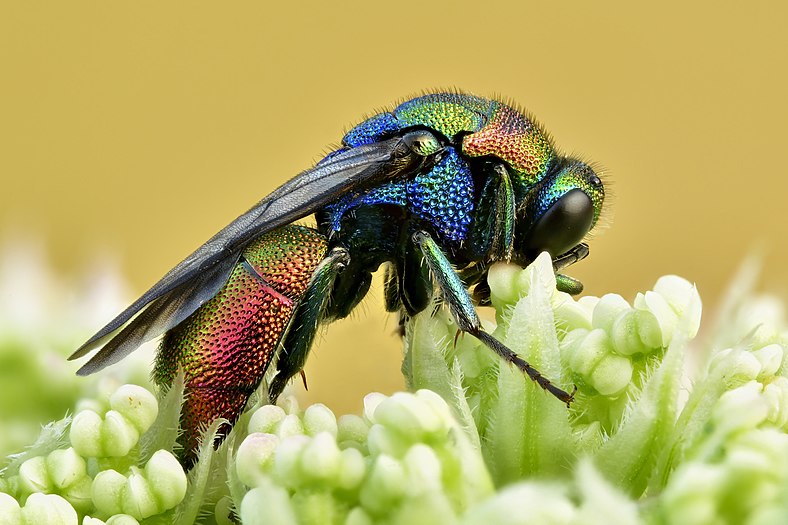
point(144, 127)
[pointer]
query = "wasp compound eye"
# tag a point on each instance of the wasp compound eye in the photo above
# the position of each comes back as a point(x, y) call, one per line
point(563, 225)
point(422, 142)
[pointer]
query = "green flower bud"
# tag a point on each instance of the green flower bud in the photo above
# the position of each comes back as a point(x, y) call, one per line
point(267, 504)
point(160, 486)
point(771, 359)
point(85, 434)
point(166, 478)
point(692, 494)
point(319, 418)
point(570, 315)
point(608, 309)
point(611, 375)
point(776, 395)
point(33, 476)
point(735, 365)
point(409, 416)
point(384, 486)
point(266, 419)
point(624, 335)
point(114, 436)
point(320, 458)
point(122, 519)
point(357, 516)
point(505, 287)
point(136, 405)
point(351, 470)
point(291, 425)
point(50, 509)
point(65, 467)
point(138, 499)
point(656, 319)
point(287, 462)
point(371, 402)
point(107, 491)
point(384, 440)
point(681, 295)
point(351, 428)
point(10, 511)
point(423, 469)
point(523, 504)
point(255, 457)
point(742, 408)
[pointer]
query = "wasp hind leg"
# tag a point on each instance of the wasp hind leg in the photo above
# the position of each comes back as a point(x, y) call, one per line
point(308, 316)
point(464, 313)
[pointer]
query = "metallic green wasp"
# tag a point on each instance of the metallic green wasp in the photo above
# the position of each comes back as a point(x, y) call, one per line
point(436, 190)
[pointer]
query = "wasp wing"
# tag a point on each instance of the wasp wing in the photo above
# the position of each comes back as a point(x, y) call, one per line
point(202, 274)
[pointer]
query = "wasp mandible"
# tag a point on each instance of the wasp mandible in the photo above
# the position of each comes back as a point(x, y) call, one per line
point(436, 190)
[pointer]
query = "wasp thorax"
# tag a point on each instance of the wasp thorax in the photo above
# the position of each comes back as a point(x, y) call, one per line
point(560, 211)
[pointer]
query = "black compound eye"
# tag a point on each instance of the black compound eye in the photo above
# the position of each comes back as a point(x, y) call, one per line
point(562, 226)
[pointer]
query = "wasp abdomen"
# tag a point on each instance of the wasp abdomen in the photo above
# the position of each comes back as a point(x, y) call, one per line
point(226, 345)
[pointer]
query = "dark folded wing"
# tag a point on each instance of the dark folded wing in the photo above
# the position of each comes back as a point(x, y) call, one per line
point(202, 274)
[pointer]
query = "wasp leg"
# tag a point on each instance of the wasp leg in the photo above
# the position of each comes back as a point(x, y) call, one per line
point(464, 313)
point(492, 232)
point(564, 283)
point(578, 253)
point(303, 328)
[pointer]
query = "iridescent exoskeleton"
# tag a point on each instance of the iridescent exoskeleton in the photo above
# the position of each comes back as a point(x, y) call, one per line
point(436, 190)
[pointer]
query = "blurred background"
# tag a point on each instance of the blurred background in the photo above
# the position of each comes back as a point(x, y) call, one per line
point(132, 132)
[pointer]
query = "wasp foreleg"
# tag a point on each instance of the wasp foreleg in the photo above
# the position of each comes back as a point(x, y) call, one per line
point(456, 296)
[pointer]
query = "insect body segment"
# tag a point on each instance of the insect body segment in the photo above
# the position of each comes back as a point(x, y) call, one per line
point(226, 345)
point(436, 191)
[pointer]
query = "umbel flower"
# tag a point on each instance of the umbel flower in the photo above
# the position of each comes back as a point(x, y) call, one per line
point(664, 429)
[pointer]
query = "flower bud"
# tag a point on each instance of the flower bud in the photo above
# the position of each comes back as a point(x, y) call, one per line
point(118, 435)
point(136, 404)
point(255, 457)
point(138, 499)
point(771, 359)
point(608, 309)
point(85, 432)
point(65, 467)
point(33, 476)
point(107, 490)
point(166, 478)
point(683, 298)
point(742, 408)
point(320, 458)
point(287, 461)
point(351, 428)
point(50, 509)
point(585, 353)
point(371, 402)
point(122, 519)
point(10, 511)
point(267, 504)
point(291, 425)
point(385, 485)
point(656, 319)
point(352, 469)
point(504, 285)
point(319, 418)
point(266, 419)
point(569, 315)
point(776, 395)
point(423, 469)
point(611, 375)
point(735, 365)
point(692, 494)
